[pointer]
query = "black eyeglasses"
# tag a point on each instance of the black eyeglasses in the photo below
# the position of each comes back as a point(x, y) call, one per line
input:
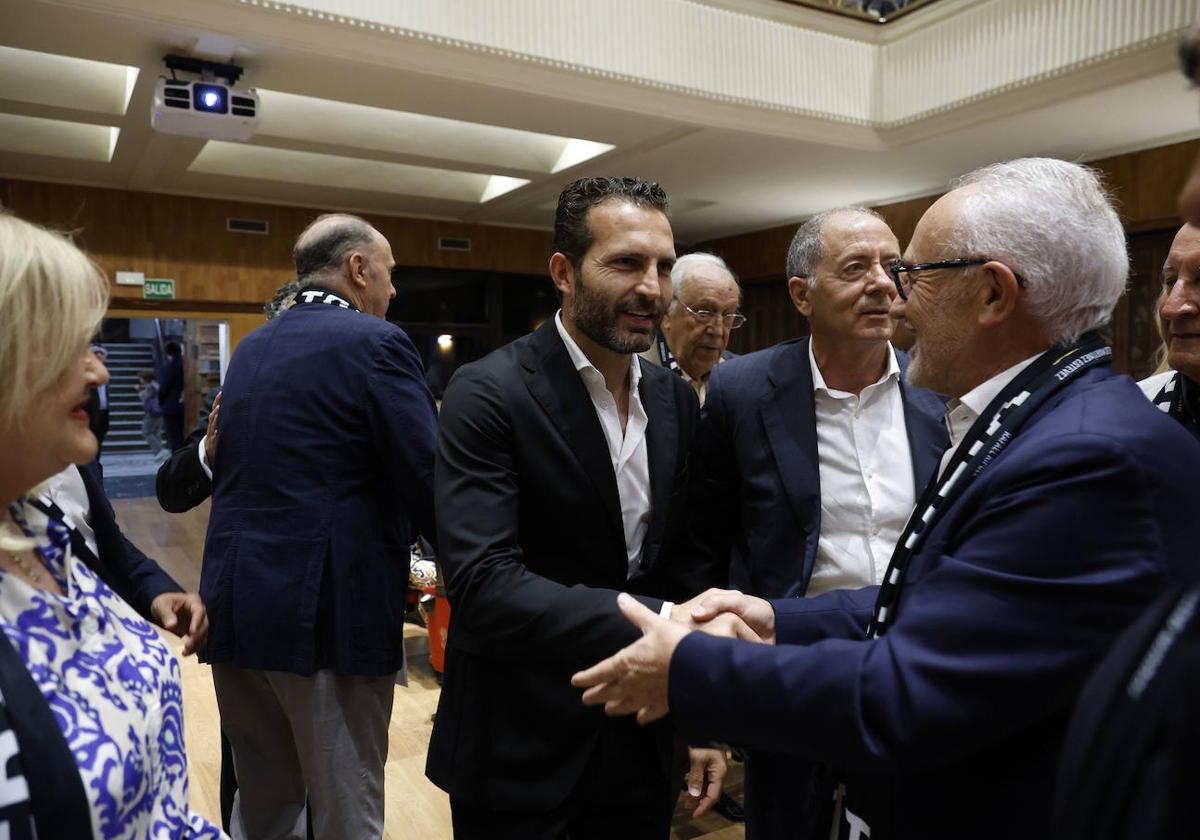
point(898, 267)
point(733, 320)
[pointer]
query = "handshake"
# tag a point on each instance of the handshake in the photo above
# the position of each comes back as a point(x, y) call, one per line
point(634, 680)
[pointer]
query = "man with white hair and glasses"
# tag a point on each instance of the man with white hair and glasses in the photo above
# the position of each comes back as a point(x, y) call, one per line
point(695, 330)
point(943, 695)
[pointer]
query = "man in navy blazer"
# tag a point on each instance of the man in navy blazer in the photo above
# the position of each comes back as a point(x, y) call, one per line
point(323, 475)
point(813, 453)
point(1055, 520)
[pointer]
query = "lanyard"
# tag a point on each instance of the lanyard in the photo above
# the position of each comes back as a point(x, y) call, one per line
point(991, 433)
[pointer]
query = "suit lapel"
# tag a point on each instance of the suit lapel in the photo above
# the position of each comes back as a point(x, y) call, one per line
point(556, 385)
point(789, 419)
point(662, 444)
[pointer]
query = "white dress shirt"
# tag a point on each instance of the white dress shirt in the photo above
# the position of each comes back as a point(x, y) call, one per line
point(66, 489)
point(626, 448)
point(962, 413)
point(866, 476)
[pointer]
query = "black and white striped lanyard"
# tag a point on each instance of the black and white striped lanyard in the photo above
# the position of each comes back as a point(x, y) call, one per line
point(994, 429)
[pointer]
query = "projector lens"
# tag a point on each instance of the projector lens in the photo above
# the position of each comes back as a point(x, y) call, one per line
point(211, 98)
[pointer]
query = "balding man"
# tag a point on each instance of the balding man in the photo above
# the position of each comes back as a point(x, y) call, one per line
point(814, 452)
point(324, 472)
point(1055, 518)
point(696, 327)
point(1177, 391)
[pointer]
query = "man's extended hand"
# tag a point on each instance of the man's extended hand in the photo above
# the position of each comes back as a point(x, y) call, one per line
point(705, 777)
point(757, 613)
point(210, 437)
point(634, 679)
point(183, 614)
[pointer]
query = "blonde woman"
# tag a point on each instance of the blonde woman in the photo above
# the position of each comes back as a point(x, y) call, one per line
point(91, 725)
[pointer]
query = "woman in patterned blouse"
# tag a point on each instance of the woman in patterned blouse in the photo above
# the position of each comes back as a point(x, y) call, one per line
point(91, 723)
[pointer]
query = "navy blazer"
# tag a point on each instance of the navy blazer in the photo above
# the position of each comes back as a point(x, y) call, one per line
point(324, 469)
point(951, 724)
point(121, 564)
point(762, 483)
point(533, 549)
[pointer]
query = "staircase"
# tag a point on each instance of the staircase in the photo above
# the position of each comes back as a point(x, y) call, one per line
point(125, 360)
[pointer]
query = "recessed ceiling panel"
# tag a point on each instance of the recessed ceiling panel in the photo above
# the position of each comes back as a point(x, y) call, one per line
point(65, 82)
point(242, 161)
point(56, 138)
point(380, 129)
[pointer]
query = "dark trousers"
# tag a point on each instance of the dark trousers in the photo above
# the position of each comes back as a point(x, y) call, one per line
point(624, 793)
point(786, 798)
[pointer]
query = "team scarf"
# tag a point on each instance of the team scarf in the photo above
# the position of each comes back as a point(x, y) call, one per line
point(319, 294)
point(991, 433)
point(668, 358)
point(1178, 398)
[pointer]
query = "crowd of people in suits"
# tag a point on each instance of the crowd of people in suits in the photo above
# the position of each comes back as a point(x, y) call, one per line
point(944, 594)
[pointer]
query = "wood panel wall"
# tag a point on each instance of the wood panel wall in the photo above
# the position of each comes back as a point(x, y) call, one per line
point(185, 239)
point(1145, 185)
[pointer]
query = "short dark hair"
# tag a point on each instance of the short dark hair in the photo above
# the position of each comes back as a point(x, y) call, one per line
point(572, 235)
point(171, 348)
point(314, 255)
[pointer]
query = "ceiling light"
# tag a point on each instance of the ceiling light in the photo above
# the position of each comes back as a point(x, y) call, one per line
point(498, 185)
point(576, 151)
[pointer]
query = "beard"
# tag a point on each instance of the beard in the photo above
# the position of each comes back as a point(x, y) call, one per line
point(599, 318)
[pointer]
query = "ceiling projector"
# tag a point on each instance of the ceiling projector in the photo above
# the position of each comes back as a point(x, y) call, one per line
point(210, 107)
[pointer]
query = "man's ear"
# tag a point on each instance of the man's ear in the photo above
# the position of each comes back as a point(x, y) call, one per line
point(999, 291)
point(798, 292)
point(562, 272)
point(357, 266)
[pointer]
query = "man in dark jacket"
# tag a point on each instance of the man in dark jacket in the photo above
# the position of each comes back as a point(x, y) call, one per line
point(323, 473)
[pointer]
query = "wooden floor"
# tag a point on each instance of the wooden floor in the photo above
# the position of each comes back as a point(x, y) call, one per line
point(414, 807)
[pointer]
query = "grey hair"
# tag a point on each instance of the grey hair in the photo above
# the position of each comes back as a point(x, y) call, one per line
point(326, 244)
point(679, 278)
point(1053, 223)
point(807, 249)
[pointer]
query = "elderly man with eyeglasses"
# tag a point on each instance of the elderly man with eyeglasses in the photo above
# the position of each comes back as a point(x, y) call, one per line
point(702, 316)
point(1056, 517)
point(813, 454)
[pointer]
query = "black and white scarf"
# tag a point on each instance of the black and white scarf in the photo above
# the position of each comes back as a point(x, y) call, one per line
point(320, 294)
point(994, 430)
point(1180, 398)
point(666, 356)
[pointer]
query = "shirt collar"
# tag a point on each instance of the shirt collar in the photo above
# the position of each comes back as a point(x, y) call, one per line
point(978, 398)
point(581, 361)
point(893, 370)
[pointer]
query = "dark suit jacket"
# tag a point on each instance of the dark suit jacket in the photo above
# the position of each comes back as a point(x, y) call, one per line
point(324, 468)
point(181, 483)
point(121, 564)
point(758, 439)
point(951, 724)
point(534, 555)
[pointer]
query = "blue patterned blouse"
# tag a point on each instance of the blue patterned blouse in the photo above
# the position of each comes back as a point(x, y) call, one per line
point(113, 686)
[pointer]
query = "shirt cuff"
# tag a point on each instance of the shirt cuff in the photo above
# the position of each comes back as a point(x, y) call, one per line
point(665, 609)
point(204, 458)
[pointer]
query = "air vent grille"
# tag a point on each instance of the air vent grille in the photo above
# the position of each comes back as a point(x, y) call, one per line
point(247, 226)
point(449, 243)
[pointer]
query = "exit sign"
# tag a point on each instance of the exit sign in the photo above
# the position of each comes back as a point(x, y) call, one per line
point(158, 289)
